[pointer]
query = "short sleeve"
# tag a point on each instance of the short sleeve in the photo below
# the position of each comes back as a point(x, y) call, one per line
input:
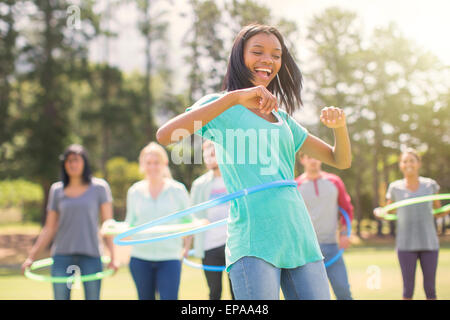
point(196, 198)
point(184, 203)
point(434, 186)
point(193, 193)
point(344, 199)
point(390, 192)
point(213, 129)
point(105, 192)
point(130, 217)
point(298, 131)
point(53, 199)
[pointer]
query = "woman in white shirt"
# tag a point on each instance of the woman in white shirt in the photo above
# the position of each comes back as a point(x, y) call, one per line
point(156, 267)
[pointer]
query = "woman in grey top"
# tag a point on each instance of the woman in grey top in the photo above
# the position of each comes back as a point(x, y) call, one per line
point(72, 222)
point(416, 237)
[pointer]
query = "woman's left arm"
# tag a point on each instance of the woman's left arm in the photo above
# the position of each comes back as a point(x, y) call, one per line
point(339, 155)
point(437, 205)
point(106, 213)
point(187, 244)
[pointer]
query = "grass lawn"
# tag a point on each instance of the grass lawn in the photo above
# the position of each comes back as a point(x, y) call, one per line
point(14, 285)
point(374, 273)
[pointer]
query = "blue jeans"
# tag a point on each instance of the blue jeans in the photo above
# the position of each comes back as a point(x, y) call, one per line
point(337, 273)
point(68, 265)
point(256, 279)
point(156, 276)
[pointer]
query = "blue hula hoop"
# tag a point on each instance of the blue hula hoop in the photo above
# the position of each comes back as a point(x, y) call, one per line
point(207, 205)
point(222, 268)
point(349, 233)
point(202, 266)
point(200, 207)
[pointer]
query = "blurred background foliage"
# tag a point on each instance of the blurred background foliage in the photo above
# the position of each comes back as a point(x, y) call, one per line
point(395, 93)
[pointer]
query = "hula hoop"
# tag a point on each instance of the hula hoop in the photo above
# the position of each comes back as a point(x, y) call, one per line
point(191, 210)
point(349, 233)
point(408, 202)
point(39, 264)
point(222, 268)
point(202, 266)
point(113, 228)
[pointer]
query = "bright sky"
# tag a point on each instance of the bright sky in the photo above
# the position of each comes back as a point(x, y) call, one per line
point(424, 21)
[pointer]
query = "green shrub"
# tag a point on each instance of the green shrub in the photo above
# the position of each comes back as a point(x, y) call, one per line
point(121, 174)
point(22, 194)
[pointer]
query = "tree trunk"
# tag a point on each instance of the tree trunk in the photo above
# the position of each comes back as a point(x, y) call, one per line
point(392, 224)
point(149, 126)
point(375, 201)
point(105, 123)
point(357, 202)
point(105, 99)
point(46, 187)
point(50, 113)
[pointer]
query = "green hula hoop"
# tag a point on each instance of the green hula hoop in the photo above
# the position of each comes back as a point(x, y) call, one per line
point(39, 264)
point(408, 202)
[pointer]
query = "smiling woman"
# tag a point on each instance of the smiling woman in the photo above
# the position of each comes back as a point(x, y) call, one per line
point(259, 56)
point(262, 55)
point(74, 207)
point(416, 236)
point(156, 268)
point(265, 248)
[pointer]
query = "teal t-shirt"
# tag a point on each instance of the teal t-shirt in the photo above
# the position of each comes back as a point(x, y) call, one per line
point(273, 224)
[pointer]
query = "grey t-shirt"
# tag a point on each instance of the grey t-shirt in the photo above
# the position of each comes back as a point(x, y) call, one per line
point(78, 218)
point(415, 223)
point(323, 197)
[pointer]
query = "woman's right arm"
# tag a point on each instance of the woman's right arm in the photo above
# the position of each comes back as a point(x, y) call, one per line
point(45, 237)
point(187, 123)
point(378, 213)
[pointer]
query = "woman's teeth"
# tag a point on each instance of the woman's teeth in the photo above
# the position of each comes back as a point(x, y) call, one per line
point(264, 72)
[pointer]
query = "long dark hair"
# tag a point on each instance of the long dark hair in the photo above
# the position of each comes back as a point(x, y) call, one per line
point(79, 150)
point(287, 85)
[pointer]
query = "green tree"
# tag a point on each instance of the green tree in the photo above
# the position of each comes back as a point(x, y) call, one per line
point(206, 57)
point(379, 83)
point(122, 174)
point(244, 12)
point(8, 52)
point(54, 51)
point(335, 39)
point(153, 28)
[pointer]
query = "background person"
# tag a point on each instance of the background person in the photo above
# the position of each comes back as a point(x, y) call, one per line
point(416, 236)
point(324, 193)
point(156, 267)
point(72, 222)
point(210, 245)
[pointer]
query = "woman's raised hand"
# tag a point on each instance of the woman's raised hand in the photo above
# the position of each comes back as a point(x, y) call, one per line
point(378, 213)
point(28, 262)
point(332, 117)
point(258, 98)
